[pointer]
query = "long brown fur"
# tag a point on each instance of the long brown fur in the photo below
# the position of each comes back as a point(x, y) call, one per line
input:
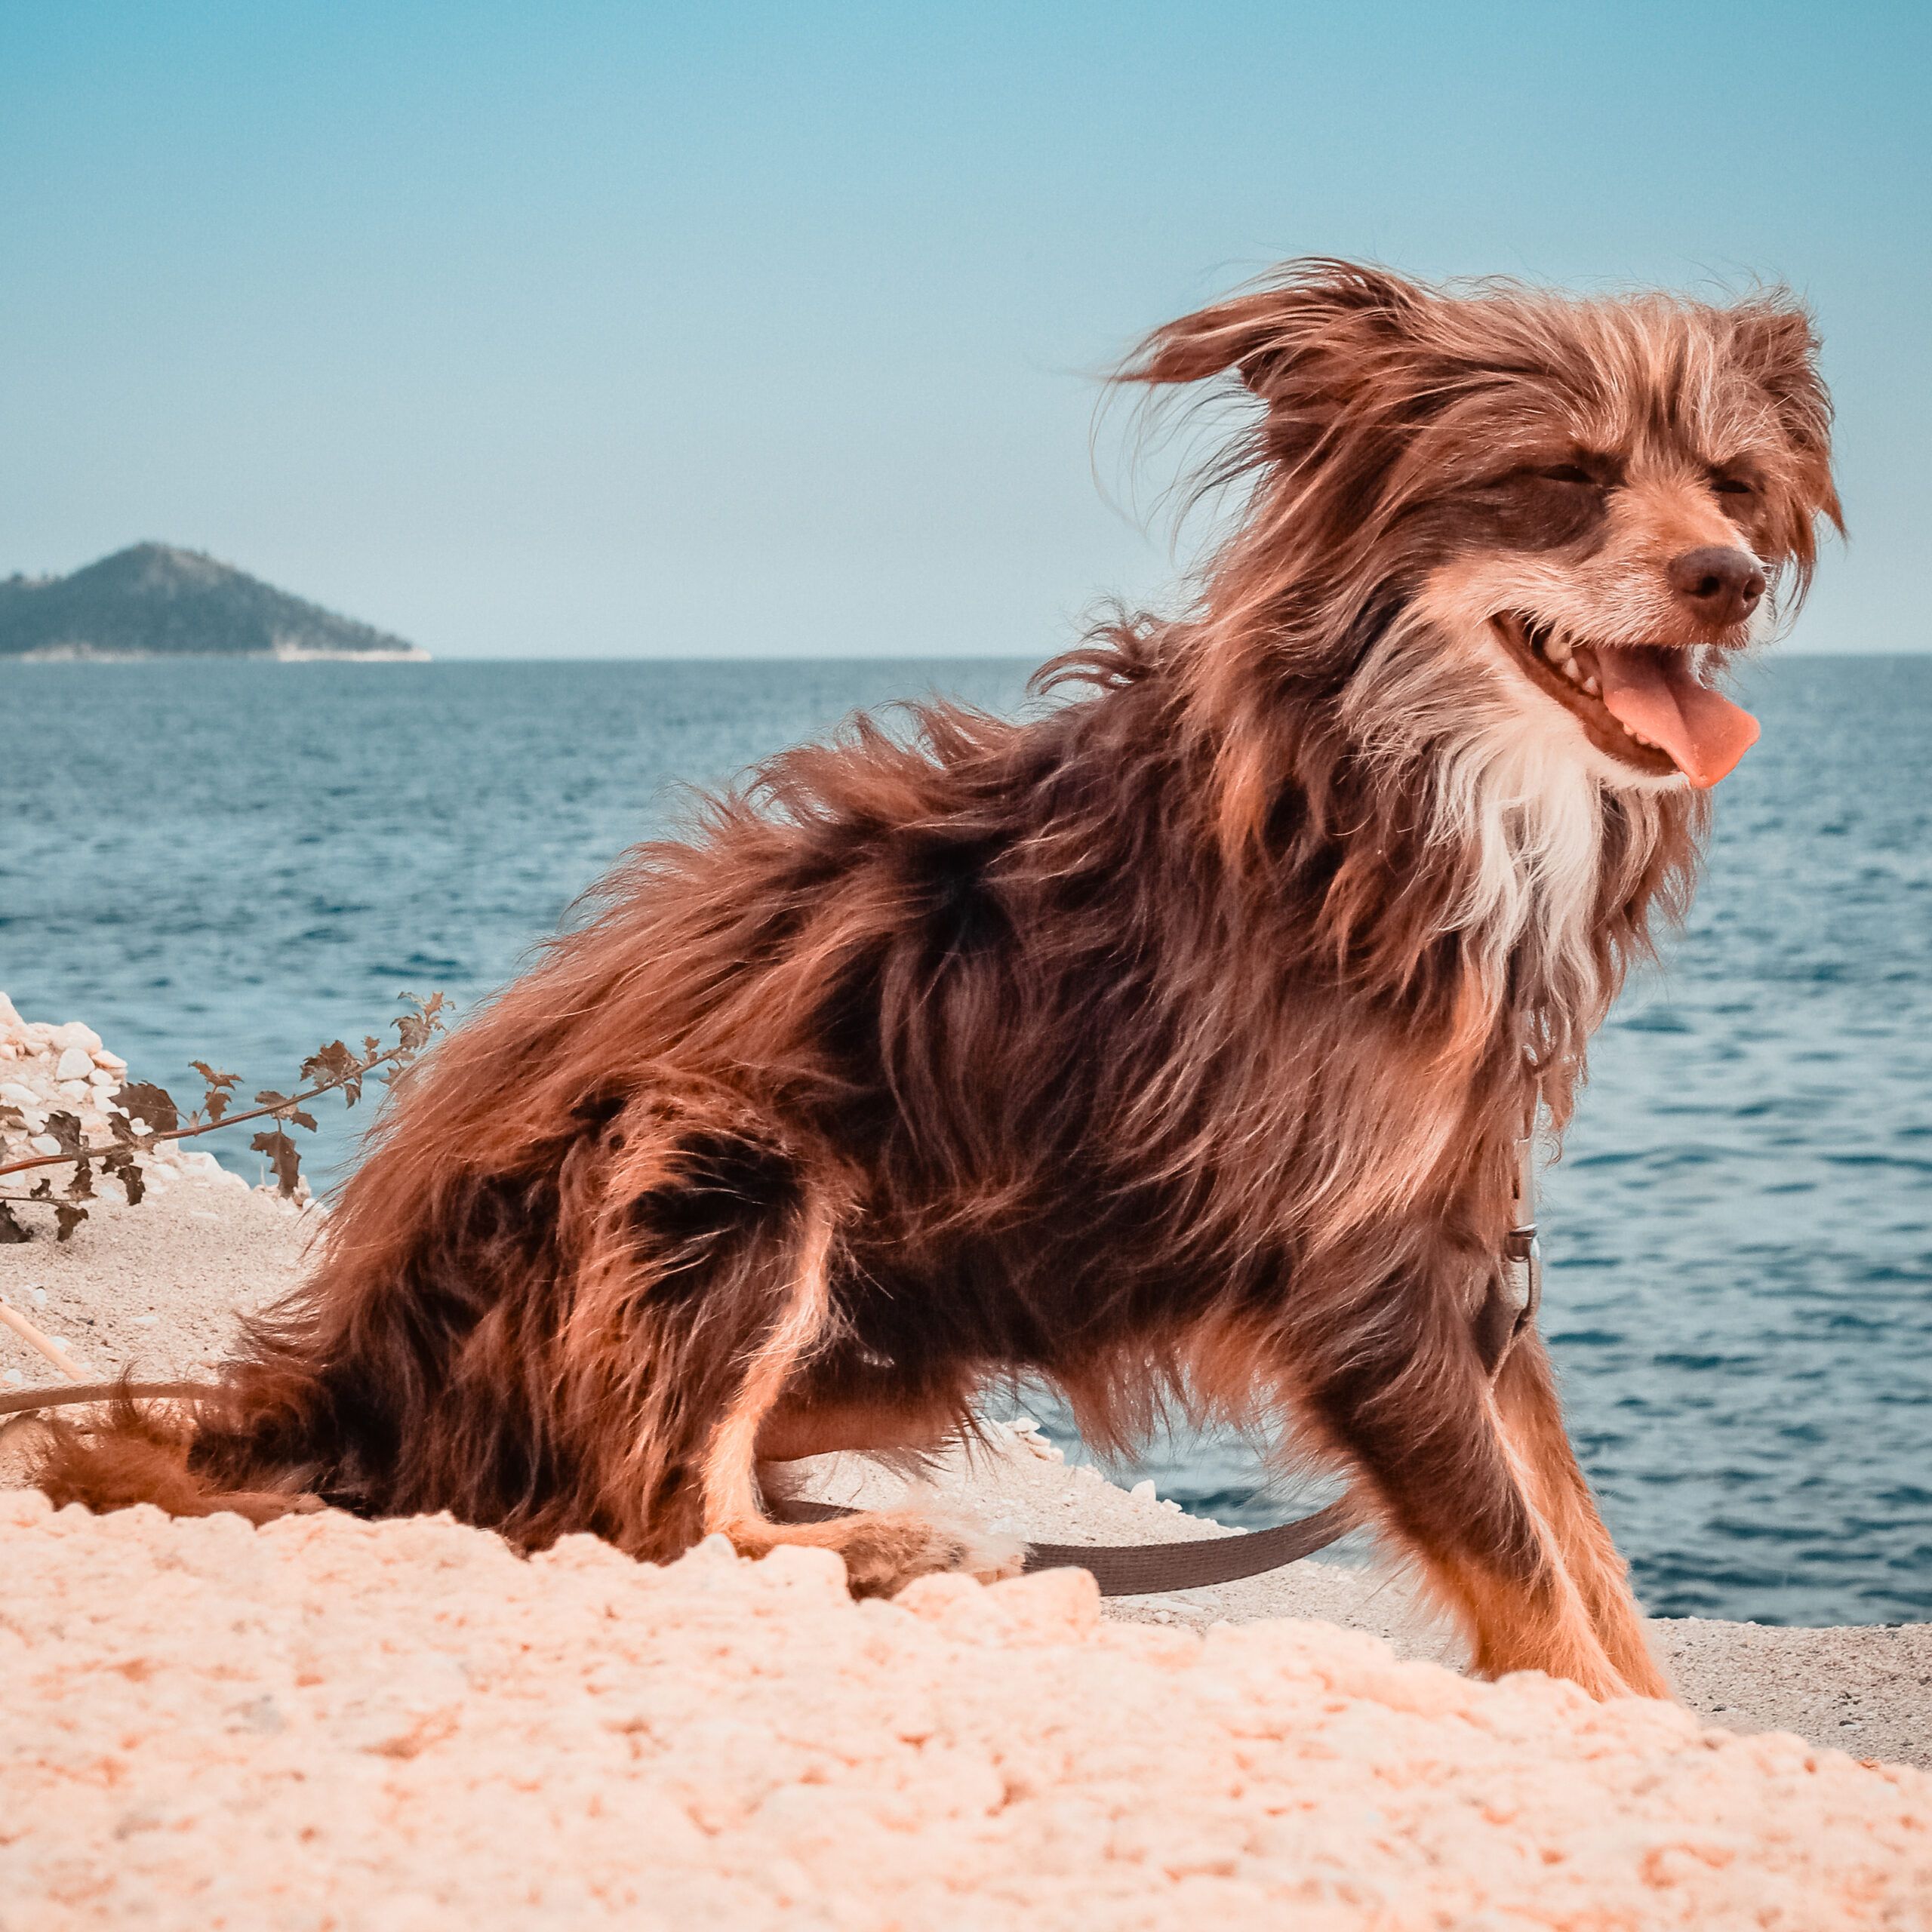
point(1172, 1044)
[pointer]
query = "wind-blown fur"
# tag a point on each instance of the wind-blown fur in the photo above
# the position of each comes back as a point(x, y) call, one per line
point(1172, 1044)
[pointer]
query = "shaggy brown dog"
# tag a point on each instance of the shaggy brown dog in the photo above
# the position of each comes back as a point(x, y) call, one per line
point(1173, 1045)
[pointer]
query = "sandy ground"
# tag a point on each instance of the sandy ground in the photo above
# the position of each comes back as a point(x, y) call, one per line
point(332, 1723)
point(157, 1287)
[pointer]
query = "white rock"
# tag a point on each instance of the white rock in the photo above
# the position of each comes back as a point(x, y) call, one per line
point(75, 1064)
point(44, 1143)
point(75, 1091)
point(9, 1014)
point(113, 1062)
point(1143, 1492)
point(16, 1095)
point(74, 1034)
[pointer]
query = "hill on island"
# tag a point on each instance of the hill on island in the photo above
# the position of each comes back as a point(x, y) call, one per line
point(153, 601)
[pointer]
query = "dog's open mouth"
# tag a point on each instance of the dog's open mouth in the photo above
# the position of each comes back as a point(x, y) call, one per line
point(1642, 703)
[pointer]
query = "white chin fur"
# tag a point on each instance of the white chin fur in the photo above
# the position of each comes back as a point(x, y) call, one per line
point(1515, 786)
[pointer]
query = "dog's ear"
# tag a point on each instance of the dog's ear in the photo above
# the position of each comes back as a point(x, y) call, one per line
point(1317, 327)
point(1774, 345)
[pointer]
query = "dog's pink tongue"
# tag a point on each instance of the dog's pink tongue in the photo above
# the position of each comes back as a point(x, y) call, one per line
point(1650, 688)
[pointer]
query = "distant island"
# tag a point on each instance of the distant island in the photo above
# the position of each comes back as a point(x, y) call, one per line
point(153, 601)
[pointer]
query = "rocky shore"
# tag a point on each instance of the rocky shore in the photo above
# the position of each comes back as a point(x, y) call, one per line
point(401, 1724)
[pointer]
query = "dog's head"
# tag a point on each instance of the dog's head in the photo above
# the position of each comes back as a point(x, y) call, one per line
point(1555, 516)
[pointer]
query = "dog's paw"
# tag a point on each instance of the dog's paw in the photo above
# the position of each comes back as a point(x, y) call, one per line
point(988, 1555)
point(887, 1549)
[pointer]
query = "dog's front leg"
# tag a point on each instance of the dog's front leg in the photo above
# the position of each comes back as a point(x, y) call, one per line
point(1531, 1417)
point(1393, 1380)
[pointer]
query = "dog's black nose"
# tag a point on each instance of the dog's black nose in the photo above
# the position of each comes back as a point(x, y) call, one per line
point(1722, 585)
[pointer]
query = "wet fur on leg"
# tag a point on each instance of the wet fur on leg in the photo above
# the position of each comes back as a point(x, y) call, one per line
point(1169, 1044)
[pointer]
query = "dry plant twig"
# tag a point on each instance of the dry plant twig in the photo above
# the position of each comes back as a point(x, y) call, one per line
point(11, 1317)
point(332, 1068)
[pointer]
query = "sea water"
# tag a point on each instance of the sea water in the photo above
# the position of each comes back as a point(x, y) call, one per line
point(235, 861)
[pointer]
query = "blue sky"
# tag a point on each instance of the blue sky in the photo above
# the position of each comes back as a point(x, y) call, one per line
point(578, 330)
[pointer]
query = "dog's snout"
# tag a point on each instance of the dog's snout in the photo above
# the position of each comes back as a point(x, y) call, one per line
point(1721, 585)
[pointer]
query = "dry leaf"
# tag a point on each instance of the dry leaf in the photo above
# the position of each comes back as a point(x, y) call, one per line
point(145, 1101)
point(214, 1101)
point(415, 1030)
point(333, 1065)
point(120, 1162)
point(282, 1154)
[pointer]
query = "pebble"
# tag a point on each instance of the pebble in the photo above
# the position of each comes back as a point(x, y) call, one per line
point(66, 1070)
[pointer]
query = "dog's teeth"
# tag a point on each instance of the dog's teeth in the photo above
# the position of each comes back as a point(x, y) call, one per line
point(1558, 649)
point(1593, 686)
point(1572, 670)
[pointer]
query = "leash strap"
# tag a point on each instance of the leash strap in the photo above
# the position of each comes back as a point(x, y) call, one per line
point(64, 1394)
point(1148, 1569)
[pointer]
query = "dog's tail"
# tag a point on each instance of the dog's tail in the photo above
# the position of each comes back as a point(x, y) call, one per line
point(184, 1454)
